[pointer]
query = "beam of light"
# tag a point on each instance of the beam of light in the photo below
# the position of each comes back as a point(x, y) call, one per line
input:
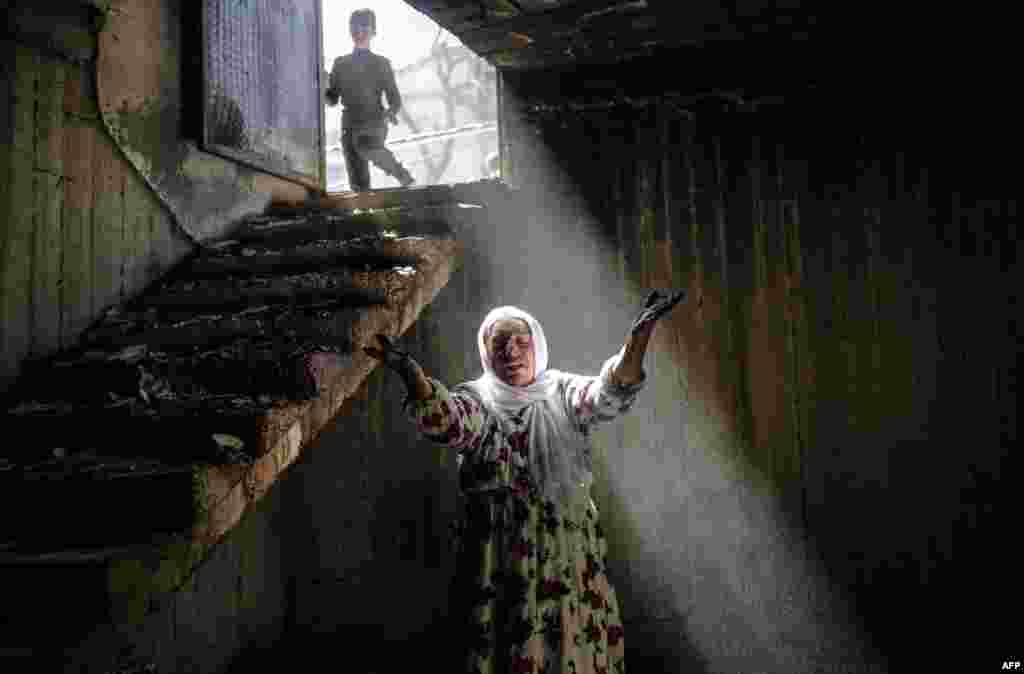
point(695, 529)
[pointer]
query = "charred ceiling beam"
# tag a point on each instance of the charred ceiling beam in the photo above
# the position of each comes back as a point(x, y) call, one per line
point(454, 17)
point(282, 232)
point(581, 47)
point(290, 230)
point(258, 369)
point(561, 34)
point(682, 103)
point(234, 299)
point(414, 197)
point(66, 30)
point(179, 434)
point(547, 34)
point(771, 70)
point(91, 501)
point(560, 20)
point(308, 257)
point(321, 324)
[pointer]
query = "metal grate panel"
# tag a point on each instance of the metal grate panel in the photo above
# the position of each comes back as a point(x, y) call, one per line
point(262, 101)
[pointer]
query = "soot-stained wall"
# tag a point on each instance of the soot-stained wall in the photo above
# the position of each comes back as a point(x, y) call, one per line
point(823, 457)
point(81, 227)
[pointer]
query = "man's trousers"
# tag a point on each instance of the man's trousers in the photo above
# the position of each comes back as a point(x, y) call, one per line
point(365, 143)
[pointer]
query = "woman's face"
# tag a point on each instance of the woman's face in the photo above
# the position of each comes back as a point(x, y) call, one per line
point(510, 347)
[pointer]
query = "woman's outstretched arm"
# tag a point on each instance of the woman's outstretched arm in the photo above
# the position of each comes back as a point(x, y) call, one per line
point(630, 367)
point(451, 418)
point(593, 400)
point(417, 385)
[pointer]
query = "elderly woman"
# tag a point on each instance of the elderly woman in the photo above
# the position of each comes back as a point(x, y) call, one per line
point(531, 594)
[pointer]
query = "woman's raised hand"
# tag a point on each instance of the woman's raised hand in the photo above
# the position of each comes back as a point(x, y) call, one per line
point(390, 355)
point(403, 364)
point(655, 306)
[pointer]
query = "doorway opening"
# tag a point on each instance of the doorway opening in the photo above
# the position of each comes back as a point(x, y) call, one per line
point(447, 130)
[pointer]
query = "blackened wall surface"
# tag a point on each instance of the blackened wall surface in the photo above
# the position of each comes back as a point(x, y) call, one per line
point(97, 109)
point(79, 228)
point(846, 361)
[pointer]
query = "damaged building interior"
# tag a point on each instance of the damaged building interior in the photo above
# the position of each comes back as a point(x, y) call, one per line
point(202, 471)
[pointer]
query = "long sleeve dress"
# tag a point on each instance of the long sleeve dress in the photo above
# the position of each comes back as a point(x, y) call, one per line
point(530, 594)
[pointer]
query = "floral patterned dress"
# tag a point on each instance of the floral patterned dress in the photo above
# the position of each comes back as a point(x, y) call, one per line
point(530, 594)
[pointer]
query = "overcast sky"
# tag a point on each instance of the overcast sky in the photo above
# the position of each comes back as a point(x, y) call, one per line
point(403, 34)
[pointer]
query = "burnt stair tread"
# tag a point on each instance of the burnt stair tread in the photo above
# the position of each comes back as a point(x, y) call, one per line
point(478, 192)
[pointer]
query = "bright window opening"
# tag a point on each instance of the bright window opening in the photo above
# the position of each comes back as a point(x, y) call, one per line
point(447, 128)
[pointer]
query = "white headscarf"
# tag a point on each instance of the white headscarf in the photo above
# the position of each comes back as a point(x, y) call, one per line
point(559, 454)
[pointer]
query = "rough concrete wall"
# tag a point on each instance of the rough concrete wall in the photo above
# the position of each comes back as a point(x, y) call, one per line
point(236, 602)
point(80, 231)
point(82, 227)
point(150, 84)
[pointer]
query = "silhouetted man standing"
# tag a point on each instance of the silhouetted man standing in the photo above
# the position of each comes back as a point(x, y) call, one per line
point(358, 80)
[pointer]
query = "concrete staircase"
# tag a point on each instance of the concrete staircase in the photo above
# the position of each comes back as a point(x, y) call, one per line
point(129, 456)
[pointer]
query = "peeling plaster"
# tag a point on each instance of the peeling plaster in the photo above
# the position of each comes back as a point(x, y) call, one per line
point(201, 166)
point(141, 104)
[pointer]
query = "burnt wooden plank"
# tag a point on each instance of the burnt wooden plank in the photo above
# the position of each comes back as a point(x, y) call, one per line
point(62, 30)
point(764, 174)
point(457, 18)
point(409, 197)
point(7, 104)
point(681, 205)
point(587, 44)
point(107, 221)
point(703, 193)
point(664, 188)
point(731, 359)
point(169, 245)
point(736, 232)
point(215, 330)
point(76, 274)
point(314, 257)
point(49, 176)
point(284, 232)
point(557, 21)
point(279, 369)
point(177, 429)
point(87, 507)
point(226, 300)
point(770, 428)
point(736, 181)
point(16, 266)
point(758, 208)
point(792, 460)
point(645, 208)
point(138, 207)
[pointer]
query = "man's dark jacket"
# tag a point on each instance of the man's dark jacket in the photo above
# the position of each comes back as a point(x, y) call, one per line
point(357, 80)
